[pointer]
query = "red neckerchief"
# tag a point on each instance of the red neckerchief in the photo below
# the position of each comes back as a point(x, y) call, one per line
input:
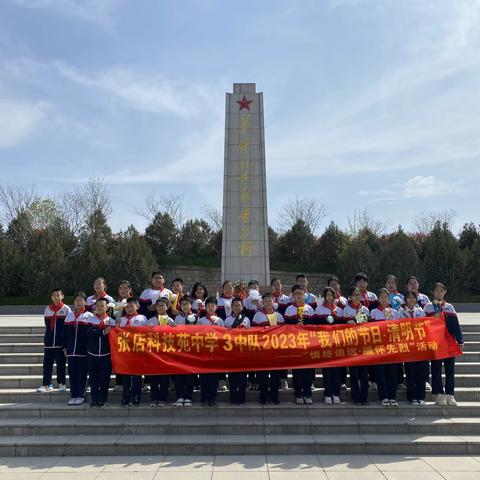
point(276, 298)
point(379, 307)
point(365, 298)
point(332, 308)
point(54, 308)
point(77, 314)
point(410, 311)
point(227, 297)
point(102, 325)
point(129, 317)
point(96, 297)
point(209, 318)
point(354, 307)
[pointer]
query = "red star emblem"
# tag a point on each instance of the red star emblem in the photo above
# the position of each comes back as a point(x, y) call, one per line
point(244, 103)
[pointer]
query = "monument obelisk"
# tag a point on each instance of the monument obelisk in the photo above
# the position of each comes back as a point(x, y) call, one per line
point(245, 254)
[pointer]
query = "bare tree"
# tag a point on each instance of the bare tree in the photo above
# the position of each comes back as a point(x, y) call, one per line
point(362, 219)
point(15, 200)
point(214, 217)
point(425, 221)
point(172, 204)
point(78, 205)
point(310, 210)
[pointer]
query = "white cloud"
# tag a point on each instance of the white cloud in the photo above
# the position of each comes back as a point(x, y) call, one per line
point(416, 187)
point(154, 94)
point(94, 11)
point(18, 120)
point(430, 186)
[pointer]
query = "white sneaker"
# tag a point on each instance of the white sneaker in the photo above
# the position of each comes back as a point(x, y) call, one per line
point(62, 387)
point(299, 401)
point(372, 386)
point(222, 386)
point(428, 387)
point(393, 403)
point(44, 389)
point(180, 402)
point(343, 387)
point(283, 384)
point(187, 403)
point(414, 403)
point(451, 402)
point(161, 404)
point(79, 401)
point(72, 401)
point(386, 402)
point(441, 400)
point(307, 400)
point(336, 400)
point(153, 404)
point(328, 400)
point(313, 387)
point(117, 388)
point(421, 403)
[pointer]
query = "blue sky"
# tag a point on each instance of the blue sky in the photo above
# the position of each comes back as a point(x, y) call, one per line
point(368, 104)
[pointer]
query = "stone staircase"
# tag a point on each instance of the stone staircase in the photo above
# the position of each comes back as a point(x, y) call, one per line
point(33, 424)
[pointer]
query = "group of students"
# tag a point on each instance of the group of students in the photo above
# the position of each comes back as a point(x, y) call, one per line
point(81, 338)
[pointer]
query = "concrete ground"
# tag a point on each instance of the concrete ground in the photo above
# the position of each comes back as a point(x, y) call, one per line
point(295, 467)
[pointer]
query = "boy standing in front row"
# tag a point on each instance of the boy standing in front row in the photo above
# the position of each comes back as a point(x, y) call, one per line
point(237, 380)
point(209, 381)
point(99, 359)
point(269, 380)
point(132, 384)
point(444, 396)
point(54, 318)
point(299, 313)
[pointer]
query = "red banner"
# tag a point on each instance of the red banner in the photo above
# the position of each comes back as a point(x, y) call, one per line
point(200, 349)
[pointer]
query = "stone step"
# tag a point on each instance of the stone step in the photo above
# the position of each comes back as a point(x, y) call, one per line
point(291, 425)
point(25, 395)
point(33, 381)
point(268, 444)
point(224, 410)
point(37, 369)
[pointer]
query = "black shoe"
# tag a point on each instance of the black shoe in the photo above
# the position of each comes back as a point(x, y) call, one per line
point(93, 404)
point(204, 403)
point(136, 404)
point(124, 404)
point(357, 404)
point(366, 403)
point(213, 403)
point(102, 404)
point(276, 401)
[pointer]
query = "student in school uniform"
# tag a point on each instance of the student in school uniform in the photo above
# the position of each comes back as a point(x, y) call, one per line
point(199, 295)
point(310, 298)
point(237, 381)
point(329, 313)
point(177, 294)
point(280, 304)
point(356, 313)
point(159, 383)
point(224, 303)
point(444, 395)
point(413, 285)
point(118, 311)
point(75, 348)
point(132, 384)
point(269, 380)
point(54, 318)
point(369, 299)
point(100, 291)
point(416, 372)
point(99, 359)
point(184, 383)
point(299, 313)
point(252, 304)
point(396, 298)
point(396, 302)
point(209, 381)
point(149, 296)
point(341, 301)
point(385, 375)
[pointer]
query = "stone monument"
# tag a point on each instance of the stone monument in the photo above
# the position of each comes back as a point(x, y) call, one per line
point(245, 252)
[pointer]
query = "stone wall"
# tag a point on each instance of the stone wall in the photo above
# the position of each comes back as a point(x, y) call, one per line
point(211, 277)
